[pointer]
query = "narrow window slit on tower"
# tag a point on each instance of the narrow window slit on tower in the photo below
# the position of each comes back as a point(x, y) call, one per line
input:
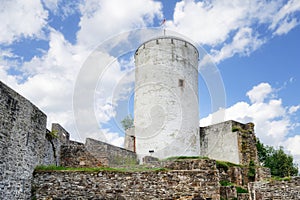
point(27, 138)
point(156, 41)
point(172, 42)
point(180, 82)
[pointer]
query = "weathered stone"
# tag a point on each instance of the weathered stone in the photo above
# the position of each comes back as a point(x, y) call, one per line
point(289, 189)
point(115, 156)
point(229, 141)
point(183, 184)
point(166, 114)
point(228, 192)
point(22, 139)
point(74, 154)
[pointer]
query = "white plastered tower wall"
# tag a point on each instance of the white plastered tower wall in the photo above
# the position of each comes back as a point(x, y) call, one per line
point(166, 114)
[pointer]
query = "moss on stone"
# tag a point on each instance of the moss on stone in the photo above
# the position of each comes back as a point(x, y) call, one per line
point(97, 169)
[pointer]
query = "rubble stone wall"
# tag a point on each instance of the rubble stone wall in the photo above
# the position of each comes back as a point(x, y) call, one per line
point(275, 189)
point(22, 139)
point(183, 184)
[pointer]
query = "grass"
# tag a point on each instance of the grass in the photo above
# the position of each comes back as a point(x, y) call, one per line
point(225, 165)
point(96, 169)
point(225, 183)
point(241, 190)
point(276, 178)
point(238, 188)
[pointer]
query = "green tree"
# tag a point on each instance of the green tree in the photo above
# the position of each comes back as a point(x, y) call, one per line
point(127, 122)
point(261, 151)
point(277, 160)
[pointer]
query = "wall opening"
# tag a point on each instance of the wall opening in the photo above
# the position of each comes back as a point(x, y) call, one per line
point(181, 83)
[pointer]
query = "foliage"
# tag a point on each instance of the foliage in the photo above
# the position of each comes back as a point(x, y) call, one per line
point(276, 178)
point(97, 169)
point(127, 122)
point(51, 135)
point(262, 151)
point(251, 172)
point(225, 165)
point(277, 160)
point(61, 168)
point(240, 129)
point(241, 190)
point(225, 183)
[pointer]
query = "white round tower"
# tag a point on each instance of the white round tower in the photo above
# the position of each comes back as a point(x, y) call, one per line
point(166, 116)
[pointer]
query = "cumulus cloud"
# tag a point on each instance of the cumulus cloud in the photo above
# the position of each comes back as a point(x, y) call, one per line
point(48, 80)
point(21, 19)
point(283, 20)
point(103, 19)
point(244, 42)
point(273, 121)
point(231, 28)
point(259, 92)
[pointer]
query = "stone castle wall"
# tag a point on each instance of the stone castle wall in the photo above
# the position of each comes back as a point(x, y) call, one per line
point(25, 143)
point(112, 154)
point(22, 142)
point(275, 189)
point(75, 154)
point(195, 179)
point(229, 141)
point(219, 142)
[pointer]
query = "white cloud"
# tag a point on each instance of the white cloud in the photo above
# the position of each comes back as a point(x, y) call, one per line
point(21, 19)
point(281, 17)
point(273, 121)
point(294, 109)
point(208, 22)
point(244, 42)
point(292, 145)
point(62, 8)
point(50, 78)
point(113, 138)
point(259, 92)
point(286, 26)
point(103, 19)
point(51, 4)
point(231, 28)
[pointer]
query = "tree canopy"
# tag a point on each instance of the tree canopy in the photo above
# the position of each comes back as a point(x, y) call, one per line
point(280, 163)
point(127, 122)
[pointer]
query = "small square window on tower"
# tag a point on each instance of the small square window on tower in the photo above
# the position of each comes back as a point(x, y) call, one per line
point(181, 83)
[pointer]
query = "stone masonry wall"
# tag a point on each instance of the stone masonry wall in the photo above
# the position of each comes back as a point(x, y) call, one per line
point(50, 156)
point(219, 142)
point(114, 155)
point(246, 142)
point(62, 138)
point(229, 141)
point(129, 141)
point(239, 175)
point(192, 179)
point(275, 190)
point(74, 154)
point(22, 138)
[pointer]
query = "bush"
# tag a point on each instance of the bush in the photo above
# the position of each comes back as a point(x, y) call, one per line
point(225, 183)
point(241, 190)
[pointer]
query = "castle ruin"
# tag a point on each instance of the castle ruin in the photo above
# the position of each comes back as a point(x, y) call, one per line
point(26, 143)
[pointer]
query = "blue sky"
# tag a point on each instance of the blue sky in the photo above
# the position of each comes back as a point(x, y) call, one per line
point(254, 44)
